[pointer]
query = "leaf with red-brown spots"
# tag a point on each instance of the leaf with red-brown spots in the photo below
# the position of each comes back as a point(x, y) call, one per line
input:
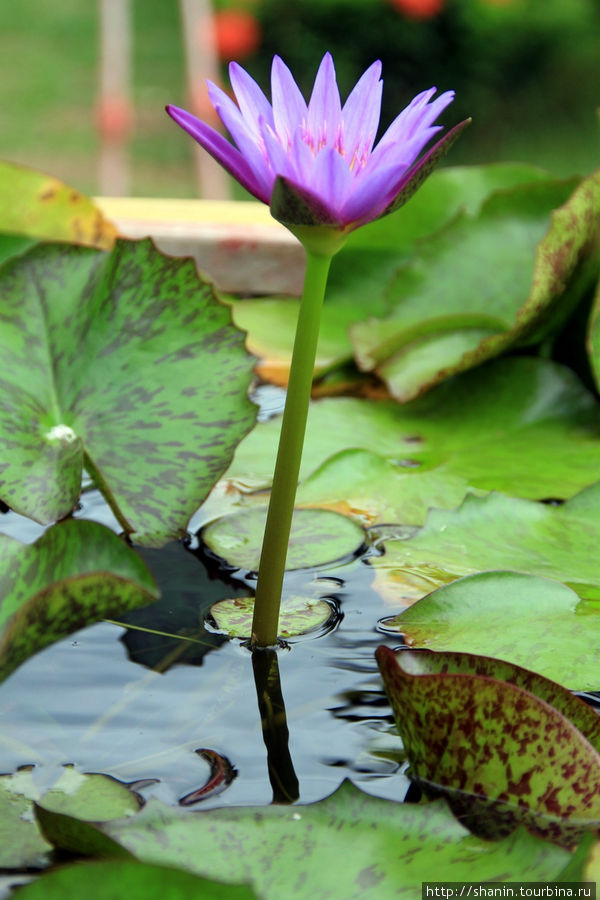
point(505, 745)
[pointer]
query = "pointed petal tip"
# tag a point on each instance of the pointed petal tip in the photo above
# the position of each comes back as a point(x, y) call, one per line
point(178, 114)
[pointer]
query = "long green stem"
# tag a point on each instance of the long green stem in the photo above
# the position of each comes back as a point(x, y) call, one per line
point(287, 468)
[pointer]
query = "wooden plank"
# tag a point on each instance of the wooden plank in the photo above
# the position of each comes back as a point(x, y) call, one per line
point(237, 244)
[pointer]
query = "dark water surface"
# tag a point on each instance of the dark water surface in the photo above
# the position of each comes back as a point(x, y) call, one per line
point(138, 705)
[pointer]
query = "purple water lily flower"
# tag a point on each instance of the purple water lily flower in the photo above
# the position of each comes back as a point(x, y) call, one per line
point(315, 163)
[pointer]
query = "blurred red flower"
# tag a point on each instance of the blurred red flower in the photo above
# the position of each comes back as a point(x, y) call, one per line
point(418, 9)
point(237, 34)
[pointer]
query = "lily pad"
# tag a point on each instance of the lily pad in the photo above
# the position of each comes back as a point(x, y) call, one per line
point(40, 206)
point(445, 193)
point(529, 621)
point(540, 437)
point(501, 753)
point(584, 865)
point(98, 797)
point(21, 844)
point(499, 532)
point(298, 615)
point(369, 488)
point(126, 363)
point(366, 266)
point(76, 573)
point(271, 327)
point(11, 244)
point(434, 333)
point(317, 537)
point(131, 879)
point(302, 851)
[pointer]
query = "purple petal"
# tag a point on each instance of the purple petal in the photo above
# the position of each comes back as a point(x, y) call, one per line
point(416, 175)
point(418, 114)
point(247, 141)
point(280, 161)
point(289, 107)
point(302, 159)
point(219, 148)
point(378, 183)
point(361, 113)
point(402, 153)
point(324, 119)
point(331, 179)
point(251, 100)
point(371, 196)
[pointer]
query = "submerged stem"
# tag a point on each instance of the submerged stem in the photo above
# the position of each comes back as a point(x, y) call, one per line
point(287, 468)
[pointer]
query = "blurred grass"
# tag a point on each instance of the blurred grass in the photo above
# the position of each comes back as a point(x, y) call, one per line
point(48, 93)
point(48, 88)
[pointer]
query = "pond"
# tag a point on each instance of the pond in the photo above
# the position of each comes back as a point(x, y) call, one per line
point(127, 363)
point(137, 704)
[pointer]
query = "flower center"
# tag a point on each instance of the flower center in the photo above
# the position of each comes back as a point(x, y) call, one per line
point(317, 141)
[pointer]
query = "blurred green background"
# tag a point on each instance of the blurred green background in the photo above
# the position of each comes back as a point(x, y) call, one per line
point(527, 71)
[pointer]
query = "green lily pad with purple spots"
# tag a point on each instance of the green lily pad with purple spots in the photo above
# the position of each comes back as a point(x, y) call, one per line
point(76, 573)
point(106, 880)
point(349, 845)
point(507, 277)
point(12, 244)
point(125, 363)
point(504, 745)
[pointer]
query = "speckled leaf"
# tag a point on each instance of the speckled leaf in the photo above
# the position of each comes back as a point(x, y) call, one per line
point(302, 852)
point(41, 206)
point(123, 362)
point(514, 617)
point(502, 754)
point(540, 437)
point(11, 244)
point(131, 879)
point(483, 284)
point(95, 797)
point(78, 572)
point(318, 536)
point(499, 532)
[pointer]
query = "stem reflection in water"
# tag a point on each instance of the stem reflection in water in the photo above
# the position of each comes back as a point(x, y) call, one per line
point(282, 776)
